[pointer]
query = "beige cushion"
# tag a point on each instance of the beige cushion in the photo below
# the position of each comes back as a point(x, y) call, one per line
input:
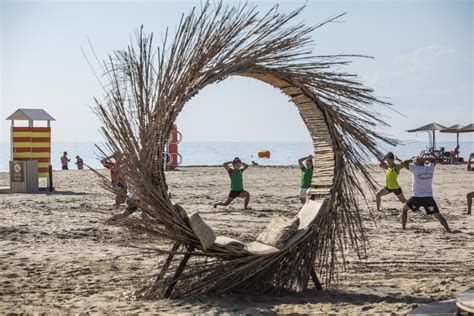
point(237, 247)
point(279, 231)
point(204, 233)
point(228, 242)
point(257, 248)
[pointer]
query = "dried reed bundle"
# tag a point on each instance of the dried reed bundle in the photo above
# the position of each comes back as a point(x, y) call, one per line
point(147, 87)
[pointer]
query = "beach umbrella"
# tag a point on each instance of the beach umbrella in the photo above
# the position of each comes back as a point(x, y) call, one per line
point(467, 129)
point(430, 128)
point(454, 129)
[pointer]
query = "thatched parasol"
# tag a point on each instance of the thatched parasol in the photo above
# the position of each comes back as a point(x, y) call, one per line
point(456, 128)
point(467, 129)
point(147, 87)
point(430, 128)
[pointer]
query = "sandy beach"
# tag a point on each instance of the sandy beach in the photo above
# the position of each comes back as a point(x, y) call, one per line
point(58, 255)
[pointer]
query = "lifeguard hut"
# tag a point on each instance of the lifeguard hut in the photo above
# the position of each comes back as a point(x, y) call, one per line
point(30, 151)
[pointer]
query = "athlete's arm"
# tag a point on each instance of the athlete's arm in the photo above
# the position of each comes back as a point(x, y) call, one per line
point(300, 161)
point(106, 160)
point(245, 166)
point(226, 165)
point(431, 160)
point(398, 168)
point(406, 163)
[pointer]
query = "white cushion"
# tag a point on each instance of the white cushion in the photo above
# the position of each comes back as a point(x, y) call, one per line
point(309, 212)
point(307, 215)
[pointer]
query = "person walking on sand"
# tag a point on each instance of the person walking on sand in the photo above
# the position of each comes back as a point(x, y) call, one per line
point(307, 169)
point(65, 161)
point(119, 186)
point(422, 170)
point(392, 170)
point(236, 182)
point(80, 163)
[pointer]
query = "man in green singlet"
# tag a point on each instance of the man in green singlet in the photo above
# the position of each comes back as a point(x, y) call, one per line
point(306, 176)
point(392, 170)
point(236, 182)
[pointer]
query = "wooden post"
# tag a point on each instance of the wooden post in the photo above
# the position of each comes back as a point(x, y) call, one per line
point(165, 266)
point(178, 272)
point(314, 277)
point(50, 179)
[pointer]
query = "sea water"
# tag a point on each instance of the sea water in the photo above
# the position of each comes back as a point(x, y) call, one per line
point(215, 153)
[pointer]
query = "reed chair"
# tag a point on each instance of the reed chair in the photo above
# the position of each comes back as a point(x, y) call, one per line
point(146, 88)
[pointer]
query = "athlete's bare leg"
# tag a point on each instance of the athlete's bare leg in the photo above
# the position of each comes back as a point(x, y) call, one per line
point(402, 198)
point(443, 221)
point(225, 203)
point(246, 196)
point(378, 197)
point(469, 197)
point(404, 216)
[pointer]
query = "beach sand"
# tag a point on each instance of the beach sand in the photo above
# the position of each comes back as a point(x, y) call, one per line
point(57, 255)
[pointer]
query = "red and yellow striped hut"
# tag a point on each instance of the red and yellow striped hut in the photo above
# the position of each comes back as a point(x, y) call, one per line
point(31, 142)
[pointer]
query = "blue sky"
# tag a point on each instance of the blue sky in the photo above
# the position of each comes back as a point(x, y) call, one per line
point(423, 64)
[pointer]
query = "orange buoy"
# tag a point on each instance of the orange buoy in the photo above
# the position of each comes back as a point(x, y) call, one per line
point(264, 154)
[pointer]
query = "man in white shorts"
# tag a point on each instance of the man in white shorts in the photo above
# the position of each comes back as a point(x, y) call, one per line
point(422, 170)
point(306, 176)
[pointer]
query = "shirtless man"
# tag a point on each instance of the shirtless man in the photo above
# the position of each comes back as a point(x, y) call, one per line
point(422, 170)
point(79, 162)
point(64, 161)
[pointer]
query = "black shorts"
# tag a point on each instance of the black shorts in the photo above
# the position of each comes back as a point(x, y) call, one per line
point(65, 168)
point(131, 207)
point(233, 194)
point(119, 187)
point(427, 202)
point(394, 191)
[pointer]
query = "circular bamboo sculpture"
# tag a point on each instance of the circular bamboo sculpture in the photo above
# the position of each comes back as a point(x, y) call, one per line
point(147, 87)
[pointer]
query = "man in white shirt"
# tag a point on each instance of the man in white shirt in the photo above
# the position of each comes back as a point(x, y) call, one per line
point(422, 170)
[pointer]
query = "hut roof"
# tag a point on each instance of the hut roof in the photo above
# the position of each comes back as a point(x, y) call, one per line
point(467, 129)
point(428, 127)
point(453, 129)
point(30, 115)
